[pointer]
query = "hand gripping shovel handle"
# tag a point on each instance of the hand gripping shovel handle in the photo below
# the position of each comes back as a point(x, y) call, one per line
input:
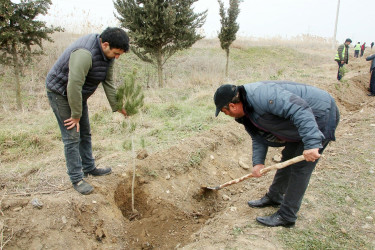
point(263, 171)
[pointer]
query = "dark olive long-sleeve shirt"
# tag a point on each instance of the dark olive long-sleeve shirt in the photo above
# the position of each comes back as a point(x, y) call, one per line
point(80, 63)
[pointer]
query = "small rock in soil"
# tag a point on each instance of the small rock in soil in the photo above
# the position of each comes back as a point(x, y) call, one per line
point(36, 203)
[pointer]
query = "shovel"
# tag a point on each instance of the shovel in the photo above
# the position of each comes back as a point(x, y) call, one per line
point(264, 170)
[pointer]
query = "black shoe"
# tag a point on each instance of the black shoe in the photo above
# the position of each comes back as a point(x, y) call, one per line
point(99, 172)
point(275, 220)
point(265, 201)
point(83, 187)
point(371, 94)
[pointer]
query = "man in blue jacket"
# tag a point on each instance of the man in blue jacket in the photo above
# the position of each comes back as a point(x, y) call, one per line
point(372, 71)
point(298, 117)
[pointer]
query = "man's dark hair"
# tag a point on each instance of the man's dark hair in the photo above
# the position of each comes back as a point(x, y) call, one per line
point(116, 37)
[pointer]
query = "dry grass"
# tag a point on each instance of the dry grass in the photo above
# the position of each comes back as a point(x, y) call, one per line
point(30, 139)
point(195, 73)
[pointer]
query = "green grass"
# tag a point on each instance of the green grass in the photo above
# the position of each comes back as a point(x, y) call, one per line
point(24, 141)
point(325, 233)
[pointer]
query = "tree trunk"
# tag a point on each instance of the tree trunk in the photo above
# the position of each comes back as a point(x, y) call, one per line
point(227, 64)
point(160, 68)
point(16, 68)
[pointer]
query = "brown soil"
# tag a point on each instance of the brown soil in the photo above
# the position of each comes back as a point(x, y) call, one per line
point(171, 210)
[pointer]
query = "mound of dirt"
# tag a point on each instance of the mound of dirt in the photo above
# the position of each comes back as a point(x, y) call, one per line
point(351, 92)
point(169, 205)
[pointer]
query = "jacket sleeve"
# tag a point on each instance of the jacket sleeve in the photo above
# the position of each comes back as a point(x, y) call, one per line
point(259, 149)
point(80, 62)
point(277, 101)
point(109, 88)
point(259, 152)
point(369, 58)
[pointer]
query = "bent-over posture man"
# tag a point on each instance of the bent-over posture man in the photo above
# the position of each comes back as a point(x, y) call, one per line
point(372, 71)
point(298, 117)
point(72, 80)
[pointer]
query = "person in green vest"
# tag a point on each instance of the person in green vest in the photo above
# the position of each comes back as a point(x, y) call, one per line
point(342, 56)
point(357, 48)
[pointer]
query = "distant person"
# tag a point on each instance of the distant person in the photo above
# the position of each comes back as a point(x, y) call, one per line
point(342, 56)
point(298, 117)
point(372, 45)
point(357, 49)
point(372, 71)
point(363, 47)
point(72, 80)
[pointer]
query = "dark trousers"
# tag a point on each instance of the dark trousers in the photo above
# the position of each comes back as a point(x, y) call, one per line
point(339, 76)
point(356, 53)
point(362, 51)
point(290, 183)
point(372, 82)
point(77, 145)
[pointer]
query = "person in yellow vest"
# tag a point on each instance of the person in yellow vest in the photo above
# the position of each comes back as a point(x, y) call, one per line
point(357, 48)
point(342, 56)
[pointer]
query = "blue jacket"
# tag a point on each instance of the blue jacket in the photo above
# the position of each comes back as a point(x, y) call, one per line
point(372, 57)
point(277, 112)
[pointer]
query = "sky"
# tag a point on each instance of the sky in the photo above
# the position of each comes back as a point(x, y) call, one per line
point(257, 18)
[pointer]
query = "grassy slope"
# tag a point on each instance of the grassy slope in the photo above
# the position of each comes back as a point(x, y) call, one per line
point(184, 108)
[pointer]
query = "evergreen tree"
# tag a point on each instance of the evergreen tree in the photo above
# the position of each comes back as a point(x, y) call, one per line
point(229, 27)
point(130, 95)
point(19, 31)
point(159, 28)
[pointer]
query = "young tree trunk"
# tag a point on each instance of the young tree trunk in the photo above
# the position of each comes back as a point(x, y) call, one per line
point(160, 68)
point(16, 68)
point(227, 64)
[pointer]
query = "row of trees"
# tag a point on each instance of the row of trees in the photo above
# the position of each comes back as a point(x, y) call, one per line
point(158, 29)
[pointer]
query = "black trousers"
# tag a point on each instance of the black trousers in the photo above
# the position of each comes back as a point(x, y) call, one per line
point(290, 183)
point(339, 76)
point(372, 82)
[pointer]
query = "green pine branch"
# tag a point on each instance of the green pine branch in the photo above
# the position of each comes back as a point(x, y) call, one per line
point(130, 95)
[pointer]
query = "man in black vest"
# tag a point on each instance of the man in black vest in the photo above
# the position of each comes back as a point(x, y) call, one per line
point(72, 80)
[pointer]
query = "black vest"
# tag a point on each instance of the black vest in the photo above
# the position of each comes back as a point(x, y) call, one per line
point(57, 78)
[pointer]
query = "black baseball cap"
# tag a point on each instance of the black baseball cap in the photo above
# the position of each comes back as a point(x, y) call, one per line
point(224, 95)
point(348, 40)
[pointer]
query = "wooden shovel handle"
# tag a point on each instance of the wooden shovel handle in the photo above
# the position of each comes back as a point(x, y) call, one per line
point(263, 171)
point(283, 164)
